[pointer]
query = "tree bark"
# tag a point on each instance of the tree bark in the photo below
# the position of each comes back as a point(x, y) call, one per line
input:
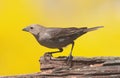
point(56, 67)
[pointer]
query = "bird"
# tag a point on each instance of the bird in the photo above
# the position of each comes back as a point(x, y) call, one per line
point(57, 37)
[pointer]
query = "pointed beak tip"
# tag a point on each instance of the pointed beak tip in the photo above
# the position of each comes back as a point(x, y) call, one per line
point(24, 29)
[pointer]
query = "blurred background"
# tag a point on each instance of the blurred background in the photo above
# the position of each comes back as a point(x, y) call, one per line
point(20, 52)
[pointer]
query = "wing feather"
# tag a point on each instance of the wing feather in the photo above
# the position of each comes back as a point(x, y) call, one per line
point(65, 32)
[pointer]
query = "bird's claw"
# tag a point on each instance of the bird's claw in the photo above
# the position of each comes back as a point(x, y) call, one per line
point(48, 55)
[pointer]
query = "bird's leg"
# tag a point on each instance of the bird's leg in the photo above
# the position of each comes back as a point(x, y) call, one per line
point(70, 57)
point(50, 53)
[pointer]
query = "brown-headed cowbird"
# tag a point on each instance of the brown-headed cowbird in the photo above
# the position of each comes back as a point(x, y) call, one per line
point(54, 37)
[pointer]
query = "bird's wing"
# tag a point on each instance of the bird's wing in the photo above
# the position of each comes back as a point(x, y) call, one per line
point(66, 32)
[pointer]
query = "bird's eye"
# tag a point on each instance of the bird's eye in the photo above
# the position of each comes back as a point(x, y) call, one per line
point(31, 27)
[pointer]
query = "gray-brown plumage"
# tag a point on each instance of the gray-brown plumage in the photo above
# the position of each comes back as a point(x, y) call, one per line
point(57, 37)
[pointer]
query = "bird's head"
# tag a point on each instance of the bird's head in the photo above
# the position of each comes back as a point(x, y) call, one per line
point(33, 29)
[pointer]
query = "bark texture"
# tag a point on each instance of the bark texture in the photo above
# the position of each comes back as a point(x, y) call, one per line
point(96, 67)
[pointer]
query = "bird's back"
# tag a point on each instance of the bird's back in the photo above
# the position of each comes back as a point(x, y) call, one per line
point(66, 32)
point(60, 37)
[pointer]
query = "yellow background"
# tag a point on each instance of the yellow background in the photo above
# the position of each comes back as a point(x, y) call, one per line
point(20, 52)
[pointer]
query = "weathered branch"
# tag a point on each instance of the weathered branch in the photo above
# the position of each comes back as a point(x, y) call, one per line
point(96, 67)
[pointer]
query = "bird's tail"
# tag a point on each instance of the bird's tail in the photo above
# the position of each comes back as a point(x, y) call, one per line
point(93, 28)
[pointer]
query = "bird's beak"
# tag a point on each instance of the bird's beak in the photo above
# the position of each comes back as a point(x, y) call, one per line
point(25, 29)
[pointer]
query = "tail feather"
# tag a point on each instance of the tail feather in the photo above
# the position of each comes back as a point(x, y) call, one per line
point(93, 28)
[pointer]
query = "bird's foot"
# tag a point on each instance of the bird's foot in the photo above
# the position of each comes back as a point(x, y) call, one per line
point(69, 60)
point(48, 55)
